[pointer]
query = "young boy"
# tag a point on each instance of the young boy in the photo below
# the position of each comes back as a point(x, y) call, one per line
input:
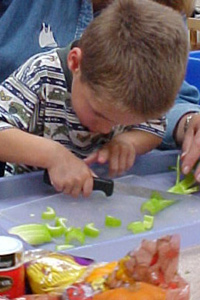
point(89, 99)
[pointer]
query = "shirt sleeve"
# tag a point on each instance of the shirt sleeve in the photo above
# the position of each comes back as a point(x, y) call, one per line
point(156, 127)
point(19, 100)
point(186, 101)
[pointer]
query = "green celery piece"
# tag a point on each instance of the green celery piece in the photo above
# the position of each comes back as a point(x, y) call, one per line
point(75, 234)
point(136, 227)
point(60, 221)
point(63, 247)
point(184, 185)
point(148, 222)
point(111, 221)
point(155, 204)
point(49, 214)
point(91, 231)
point(55, 231)
point(178, 169)
point(34, 234)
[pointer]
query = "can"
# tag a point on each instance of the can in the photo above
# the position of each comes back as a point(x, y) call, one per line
point(12, 273)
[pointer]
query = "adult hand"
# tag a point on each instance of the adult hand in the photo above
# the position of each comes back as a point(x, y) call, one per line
point(191, 147)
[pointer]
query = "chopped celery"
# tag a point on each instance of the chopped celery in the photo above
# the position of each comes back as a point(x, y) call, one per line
point(111, 221)
point(49, 214)
point(139, 226)
point(148, 222)
point(186, 185)
point(75, 234)
point(136, 227)
point(55, 231)
point(34, 234)
point(155, 204)
point(91, 231)
point(63, 247)
point(59, 221)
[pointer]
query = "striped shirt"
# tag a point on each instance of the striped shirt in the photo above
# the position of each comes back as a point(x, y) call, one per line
point(36, 98)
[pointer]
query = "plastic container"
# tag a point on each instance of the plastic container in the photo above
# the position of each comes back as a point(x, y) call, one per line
point(193, 71)
point(12, 280)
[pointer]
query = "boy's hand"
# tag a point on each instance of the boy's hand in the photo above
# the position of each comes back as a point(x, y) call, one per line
point(69, 174)
point(120, 153)
point(191, 147)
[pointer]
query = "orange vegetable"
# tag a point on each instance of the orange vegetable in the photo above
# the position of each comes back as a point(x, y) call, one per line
point(139, 291)
point(101, 271)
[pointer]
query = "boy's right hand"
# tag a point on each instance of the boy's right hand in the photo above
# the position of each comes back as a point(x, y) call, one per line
point(69, 174)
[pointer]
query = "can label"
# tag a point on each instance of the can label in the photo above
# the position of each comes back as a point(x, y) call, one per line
point(12, 283)
point(6, 283)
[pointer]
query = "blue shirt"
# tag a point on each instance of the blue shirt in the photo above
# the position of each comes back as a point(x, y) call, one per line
point(28, 27)
point(186, 101)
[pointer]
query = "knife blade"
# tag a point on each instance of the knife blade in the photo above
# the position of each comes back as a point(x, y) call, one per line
point(100, 184)
point(145, 192)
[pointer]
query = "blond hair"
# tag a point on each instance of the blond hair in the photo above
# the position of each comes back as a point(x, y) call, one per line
point(134, 54)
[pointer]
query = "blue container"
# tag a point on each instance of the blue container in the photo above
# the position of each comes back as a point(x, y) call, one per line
point(193, 70)
point(195, 54)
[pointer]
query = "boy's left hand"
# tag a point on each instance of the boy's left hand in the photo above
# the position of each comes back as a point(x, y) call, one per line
point(120, 154)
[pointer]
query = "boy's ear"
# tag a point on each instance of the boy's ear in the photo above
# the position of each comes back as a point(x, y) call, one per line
point(74, 59)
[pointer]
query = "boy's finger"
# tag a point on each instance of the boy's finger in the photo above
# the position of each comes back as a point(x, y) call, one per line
point(92, 158)
point(114, 161)
point(103, 155)
point(88, 187)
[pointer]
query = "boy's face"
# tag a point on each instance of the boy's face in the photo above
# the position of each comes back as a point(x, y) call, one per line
point(96, 114)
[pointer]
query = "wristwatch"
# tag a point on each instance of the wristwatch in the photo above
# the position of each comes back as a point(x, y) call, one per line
point(188, 119)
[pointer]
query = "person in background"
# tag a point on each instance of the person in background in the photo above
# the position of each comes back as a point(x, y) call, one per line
point(95, 100)
point(29, 27)
point(183, 120)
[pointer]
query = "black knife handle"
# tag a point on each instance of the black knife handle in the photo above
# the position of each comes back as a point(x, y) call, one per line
point(104, 185)
point(100, 184)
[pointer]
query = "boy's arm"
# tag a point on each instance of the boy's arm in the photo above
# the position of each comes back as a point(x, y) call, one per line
point(68, 173)
point(121, 151)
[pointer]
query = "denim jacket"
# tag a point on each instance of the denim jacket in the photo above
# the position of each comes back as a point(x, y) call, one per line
point(32, 26)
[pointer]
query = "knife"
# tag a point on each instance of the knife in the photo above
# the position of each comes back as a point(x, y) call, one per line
point(100, 184)
point(145, 192)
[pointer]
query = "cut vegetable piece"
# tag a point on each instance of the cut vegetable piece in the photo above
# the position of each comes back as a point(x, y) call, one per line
point(55, 231)
point(148, 222)
point(63, 247)
point(136, 227)
point(75, 234)
point(111, 221)
point(155, 204)
point(59, 221)
point(34, 234)
point(91, 231)
point(49, 214)
point(185, 186)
